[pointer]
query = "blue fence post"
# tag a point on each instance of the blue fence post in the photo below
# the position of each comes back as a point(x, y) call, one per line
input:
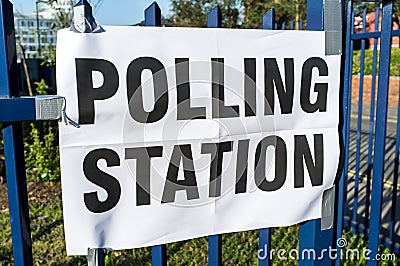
point(152, 17)
point(264, 235)
point(346, 111)
point(354, 220)
point(13, 142)
point(380, 130)
point(310, 235)
point(268, 20)
point(214, 20)
point(371, 123)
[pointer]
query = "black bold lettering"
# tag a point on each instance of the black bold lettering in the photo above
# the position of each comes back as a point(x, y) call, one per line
point(280, 163)
point(250, 86)
point(302, 150)
point(101, 179)
point(219, 109)
point(184, 111)
point(241, 166)
point(135, 90)
point(86, 93)
point(143, 156)
point(217, 154)
point(172, 184)
point(320, 88)
point(273, 79)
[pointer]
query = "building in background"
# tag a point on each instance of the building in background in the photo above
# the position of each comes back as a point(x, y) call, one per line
point(27, 36)
point(36, 33)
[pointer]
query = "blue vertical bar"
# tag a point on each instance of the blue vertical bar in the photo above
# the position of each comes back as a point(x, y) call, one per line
point(159, 255)
point(215, 250)
point(264, 244)
point(347, 59)
point(291, 25)
point(214, 20)
point(395, 181)
point(264, 235)
point(268, 20)
point(152, 17)
point(310, 234)
point(354, 222)
point(380, 129)
point(13, 143)
point(283, 26)
point(315, 15)
point(371, 124)
point(301, 24)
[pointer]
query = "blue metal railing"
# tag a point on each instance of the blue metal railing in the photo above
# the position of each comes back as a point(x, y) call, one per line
point(376, 165)
point(310, 234)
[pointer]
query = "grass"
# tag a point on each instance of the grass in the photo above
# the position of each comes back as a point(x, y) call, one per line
point(237, 249)
point(368, 59)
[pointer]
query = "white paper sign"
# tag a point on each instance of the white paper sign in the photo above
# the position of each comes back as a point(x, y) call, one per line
point(193, 132)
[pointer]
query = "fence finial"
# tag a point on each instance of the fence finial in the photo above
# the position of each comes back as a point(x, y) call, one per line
point(214, 18)
point(152, 15)
point(83, 20)
point(268, 20)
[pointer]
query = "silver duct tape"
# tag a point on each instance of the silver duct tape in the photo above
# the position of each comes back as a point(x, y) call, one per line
point(328, 209)
point(96, 256)
point(333, 27)
point(83, 20)
point(49, 107)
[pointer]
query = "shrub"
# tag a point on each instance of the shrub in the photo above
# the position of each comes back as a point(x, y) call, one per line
point(42, 157)
point(394, 62)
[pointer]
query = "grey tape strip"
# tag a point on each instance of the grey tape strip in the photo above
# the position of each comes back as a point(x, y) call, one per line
point(49, 107)
point(83, 20)
point(96, 256)
point(333, 27)
point(328, 208)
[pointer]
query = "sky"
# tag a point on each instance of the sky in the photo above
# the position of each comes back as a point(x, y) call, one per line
point(110, 12)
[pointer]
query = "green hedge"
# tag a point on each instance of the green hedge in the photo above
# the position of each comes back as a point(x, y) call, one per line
point(394, 62)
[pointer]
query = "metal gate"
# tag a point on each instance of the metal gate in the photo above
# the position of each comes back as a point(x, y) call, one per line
point(15, 109)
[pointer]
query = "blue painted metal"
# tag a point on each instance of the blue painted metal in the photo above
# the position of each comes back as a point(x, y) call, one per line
point(291, 25)
point(300, 24)
point(312, 238)
point(214, 18)
point(365, 35)
point(268, 20)
point(310, 234)
point(354, 223)
point(25, 106)
point(264, 235)
point(264, 244)
point(13, 143)
point(380, 131)
point(159, 255)
point(315, 15)
point(215, 250)
point(395, 181)
point(371, 124)
point(283, 26)
point(152, 15)
point(346, 111)
point(395, 32)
